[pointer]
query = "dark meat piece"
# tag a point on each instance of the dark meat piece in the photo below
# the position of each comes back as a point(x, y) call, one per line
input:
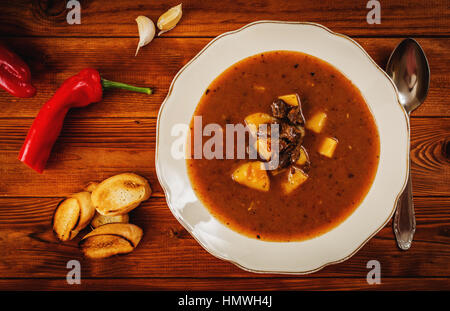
point(279, 109)
point(292, 132)
point(302, 131)
point(289, 155)
point(295, 116)
point(306, 167)
point(295, 153)
point(283, 145)
point(284, 158)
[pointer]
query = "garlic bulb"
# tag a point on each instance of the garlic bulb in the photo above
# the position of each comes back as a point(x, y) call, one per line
point(169, 19)
point(146, 29)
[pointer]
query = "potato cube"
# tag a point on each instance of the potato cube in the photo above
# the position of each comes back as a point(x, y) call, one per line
point(252, 175)
point(303, 158)
point(254, 120)
point(295, 178)
point(316, 122)
point(291, 99)
point(328, 146)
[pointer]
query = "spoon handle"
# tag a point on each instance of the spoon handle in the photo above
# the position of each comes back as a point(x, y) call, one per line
point(404, 219)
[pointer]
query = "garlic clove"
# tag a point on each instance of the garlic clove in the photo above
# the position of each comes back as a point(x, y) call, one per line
point(169, 19)
point(147, 31)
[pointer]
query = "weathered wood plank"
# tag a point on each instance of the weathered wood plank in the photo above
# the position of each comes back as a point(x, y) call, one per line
point(52, 60)
point(88, 150)
point(93, 149)
point(118, 135)
point(29, 248)
point(430, 161)
point(210, 17)
point(227, 284)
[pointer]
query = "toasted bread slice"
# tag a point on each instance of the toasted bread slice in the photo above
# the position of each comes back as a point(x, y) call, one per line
point(120, 194)
point(100, 220)
point(87, 210)
point(91, 186)
point(130, 232)
point(102, 246)
point(111, 239)
point(72, 215)
point(65, 219)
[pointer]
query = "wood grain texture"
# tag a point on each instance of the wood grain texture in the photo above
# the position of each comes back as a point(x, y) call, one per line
point(118, 135)
point(95, 148)
point(228, 284)
point(167, 250)
point(87, 150)
point(428, 160)
point(211, 17)
point(52, 60)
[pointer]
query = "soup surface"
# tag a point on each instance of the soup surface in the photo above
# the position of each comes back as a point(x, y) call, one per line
point(335, 185)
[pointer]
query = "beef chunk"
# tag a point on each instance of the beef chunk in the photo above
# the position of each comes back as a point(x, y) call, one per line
point(295, 116)
point(295, 153)
point(279, 109)
point(292, 132)
point(289, 133)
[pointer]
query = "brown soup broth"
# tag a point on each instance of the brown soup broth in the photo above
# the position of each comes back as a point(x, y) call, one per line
point(335, 186)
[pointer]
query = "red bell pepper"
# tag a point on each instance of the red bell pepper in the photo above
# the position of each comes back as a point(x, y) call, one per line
point(15, 76)
point(78, 91)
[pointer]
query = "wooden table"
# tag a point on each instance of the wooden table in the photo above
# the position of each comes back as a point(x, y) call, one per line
point(118, 135)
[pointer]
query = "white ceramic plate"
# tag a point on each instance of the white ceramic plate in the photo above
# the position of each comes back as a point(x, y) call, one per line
point(380, 93)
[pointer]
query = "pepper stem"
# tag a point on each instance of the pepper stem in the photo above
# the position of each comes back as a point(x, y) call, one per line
point(106, 84)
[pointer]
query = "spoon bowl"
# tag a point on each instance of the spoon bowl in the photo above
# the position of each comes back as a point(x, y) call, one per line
point(408, 68)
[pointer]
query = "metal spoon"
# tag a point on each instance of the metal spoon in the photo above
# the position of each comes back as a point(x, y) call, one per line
point(408, 68)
